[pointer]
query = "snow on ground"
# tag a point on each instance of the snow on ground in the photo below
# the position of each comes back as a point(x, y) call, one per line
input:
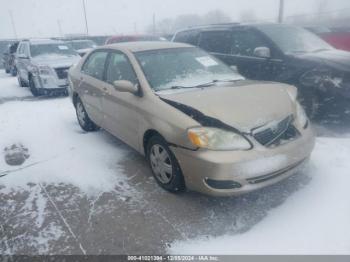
point(60, 152)
point(9, 87)
point(61, 156)
point(315, 220)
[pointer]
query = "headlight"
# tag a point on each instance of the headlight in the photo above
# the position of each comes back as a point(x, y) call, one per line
point(301, 116)
point(217, 139)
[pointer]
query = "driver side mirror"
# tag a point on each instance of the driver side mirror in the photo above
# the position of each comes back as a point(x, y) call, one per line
point(262, 51)
point(125, 86)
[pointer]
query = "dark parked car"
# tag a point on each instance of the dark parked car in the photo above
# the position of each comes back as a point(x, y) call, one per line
point(9, 59)
point(283, 53)
point(82, 46)
point(4, 45)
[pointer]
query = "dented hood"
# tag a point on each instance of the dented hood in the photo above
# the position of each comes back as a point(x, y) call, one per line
point(244, 105)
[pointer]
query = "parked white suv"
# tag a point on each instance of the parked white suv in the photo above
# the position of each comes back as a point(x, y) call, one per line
point(43, 65)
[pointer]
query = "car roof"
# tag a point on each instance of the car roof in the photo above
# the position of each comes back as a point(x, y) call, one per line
point(79, 40)
point(44, 41)
point(225, 26)
point(146, 45)
point(131, 35)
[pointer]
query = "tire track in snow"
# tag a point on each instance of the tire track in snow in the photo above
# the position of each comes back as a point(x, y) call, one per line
point(63, 219)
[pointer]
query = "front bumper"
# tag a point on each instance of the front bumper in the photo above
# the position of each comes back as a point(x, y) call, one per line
point(225, 173)
point(49, 85)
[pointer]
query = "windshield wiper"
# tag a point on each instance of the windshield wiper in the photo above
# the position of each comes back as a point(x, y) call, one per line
point(206, 84)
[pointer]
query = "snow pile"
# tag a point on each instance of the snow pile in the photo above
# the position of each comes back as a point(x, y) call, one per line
point(60, 152)
point(9, 87)
point(315, 220)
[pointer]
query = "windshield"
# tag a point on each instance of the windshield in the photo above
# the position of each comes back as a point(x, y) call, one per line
point(83, 44)
point(183, 67)
point(47, 49)
point(292, 39)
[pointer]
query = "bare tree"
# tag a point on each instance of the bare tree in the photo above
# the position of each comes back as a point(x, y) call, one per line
point(169, 26)
point(216, 17)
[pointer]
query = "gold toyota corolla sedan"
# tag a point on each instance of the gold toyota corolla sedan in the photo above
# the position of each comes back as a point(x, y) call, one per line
point(199, 123)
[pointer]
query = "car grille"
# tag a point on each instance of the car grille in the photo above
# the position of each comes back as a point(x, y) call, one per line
point(62, 73)
point(276, 133)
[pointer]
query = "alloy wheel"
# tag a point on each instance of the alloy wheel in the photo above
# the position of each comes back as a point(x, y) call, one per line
point(161, 164)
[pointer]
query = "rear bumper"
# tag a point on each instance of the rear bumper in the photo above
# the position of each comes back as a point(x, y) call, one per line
point(226, 173)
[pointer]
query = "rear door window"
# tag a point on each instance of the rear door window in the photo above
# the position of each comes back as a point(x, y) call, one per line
point(95, 64)
point(216, 41)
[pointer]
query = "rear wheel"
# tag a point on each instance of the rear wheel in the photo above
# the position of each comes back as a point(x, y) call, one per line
point(83, 119)
point(311, 103)
point(164, 165)
point(7, 71)
point(13, 71)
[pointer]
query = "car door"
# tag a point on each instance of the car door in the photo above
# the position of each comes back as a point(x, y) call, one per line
point(90, 87)
point(239, 51)
point(121, 108)
point(26, 62)
point(20, 61)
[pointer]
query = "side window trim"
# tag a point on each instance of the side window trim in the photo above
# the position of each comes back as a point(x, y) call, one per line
point(28, 50)
point(110, 53)
point(104, 67)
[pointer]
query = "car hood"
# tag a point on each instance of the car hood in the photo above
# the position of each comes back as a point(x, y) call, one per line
point(244, 105)
point(334, 58)
point(56, 61)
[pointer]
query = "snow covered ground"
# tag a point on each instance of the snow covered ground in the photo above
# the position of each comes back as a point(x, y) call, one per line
point(89, 193)
point(9, 87)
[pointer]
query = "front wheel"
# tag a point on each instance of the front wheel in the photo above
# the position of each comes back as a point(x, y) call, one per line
point(311, 103)
point(32, 87)
point(164, 165)
point(83, 119)
point(20, 81)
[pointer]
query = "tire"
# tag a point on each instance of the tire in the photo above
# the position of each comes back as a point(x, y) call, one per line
point(311, 104)
point(7, 71)
point(164, 165)
point(20, 81)
point(14, 71)
point(32, 87)
point(83, 119)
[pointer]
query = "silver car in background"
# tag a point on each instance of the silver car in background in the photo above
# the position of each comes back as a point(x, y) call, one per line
point(43, 65)
point(82, 46)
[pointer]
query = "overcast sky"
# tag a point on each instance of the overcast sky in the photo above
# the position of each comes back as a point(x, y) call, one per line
point(39, 18)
